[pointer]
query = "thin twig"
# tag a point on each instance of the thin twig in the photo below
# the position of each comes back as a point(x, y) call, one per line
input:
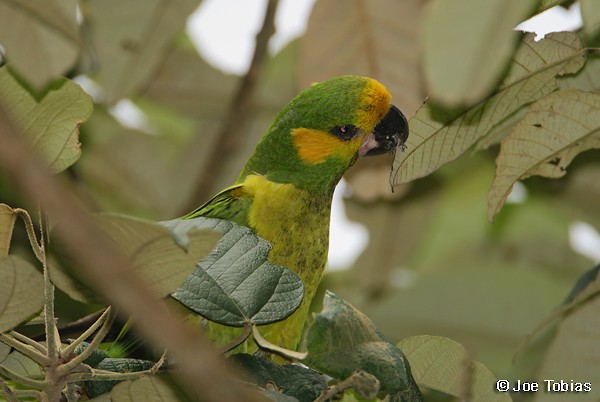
point(240, 110)
point(25, 349)
point(29, 382)
point(35, 246)
point(27, 340)
point(108, 375)
point(66, 368)
point(271, 347)
point(67, 350)
point(239, 339)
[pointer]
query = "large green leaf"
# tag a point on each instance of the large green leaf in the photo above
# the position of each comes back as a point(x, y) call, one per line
point(20, 364)
point(40, 37)
point(555, 130)
point(147, 388)
point(442, 364)
point(117, 365)
point(51, 124)
point(342, 340)
point(161, 258)
point(130, 39)
point(236, 284)
point(435, 140)
point(460, 65)
point(21, 291)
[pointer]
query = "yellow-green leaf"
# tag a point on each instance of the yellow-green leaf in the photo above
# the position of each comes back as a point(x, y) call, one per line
point(7, 223)
point(21, 291)
point(442, 364)
point(555, 130)
point(147, 388)
point(40, 37)
point(436, 140)
point(51, 123)
point(590, 13)
point(461, 65)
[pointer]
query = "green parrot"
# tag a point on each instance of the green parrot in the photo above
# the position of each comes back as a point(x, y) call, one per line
point(284, 192)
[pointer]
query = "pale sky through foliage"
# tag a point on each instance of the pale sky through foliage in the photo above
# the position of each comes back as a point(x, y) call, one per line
point(224, 32)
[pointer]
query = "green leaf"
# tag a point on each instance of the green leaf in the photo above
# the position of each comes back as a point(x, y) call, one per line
point(460, 65)
point(95, 358)
point(442, 364)
point(236, 284)
point(51, 124)
point(435, 140)
point(20, 364)
point(7, 223)
point(131, 38)
point(555, 130)
point(117, 365)
point(21, 291)
point(41, 37)
point(4, 351)
point(342, 340)
point(590, 13)
point(147, 388)
point(162, 254)
point(292, 380)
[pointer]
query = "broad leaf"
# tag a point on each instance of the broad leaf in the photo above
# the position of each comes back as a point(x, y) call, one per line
point(442, 364)
point(21, 291)
point(131, 38)
point(4, 351)
point(342, 340)
point(7, 223)
point(147, 388)
point(555, 130)
point(590, 12)
point(20, 364)
point(40, 37)
point(435, 140)
point(51, 123)
point(460, 65)
point(162, 255)
point(236, 284)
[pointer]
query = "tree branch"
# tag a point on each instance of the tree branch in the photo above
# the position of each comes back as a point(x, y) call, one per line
point(239, 111)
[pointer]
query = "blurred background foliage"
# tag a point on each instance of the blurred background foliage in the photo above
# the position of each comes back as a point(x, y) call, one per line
point(434, 264)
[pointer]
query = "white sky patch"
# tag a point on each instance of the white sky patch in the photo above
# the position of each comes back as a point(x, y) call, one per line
point(555, 19)
point(518, 193)
point(585, 240)
point(129, 115)
point(224, 31)
point(347, 239)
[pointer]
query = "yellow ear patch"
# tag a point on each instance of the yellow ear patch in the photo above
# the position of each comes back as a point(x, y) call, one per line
point(314, 146)
point(377, 98)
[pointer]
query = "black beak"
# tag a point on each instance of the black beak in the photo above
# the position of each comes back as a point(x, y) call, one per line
point(390, 133)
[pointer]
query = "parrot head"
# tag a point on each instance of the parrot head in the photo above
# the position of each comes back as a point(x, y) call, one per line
point(318, 135)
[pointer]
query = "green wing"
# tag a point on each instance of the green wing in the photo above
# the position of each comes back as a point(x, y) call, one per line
point(233, 204)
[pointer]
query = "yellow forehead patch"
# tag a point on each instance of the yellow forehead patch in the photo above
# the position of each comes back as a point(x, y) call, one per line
point(376, 104)
point(314, 146)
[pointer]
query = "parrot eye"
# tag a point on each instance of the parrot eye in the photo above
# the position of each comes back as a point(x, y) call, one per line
point(345, 133)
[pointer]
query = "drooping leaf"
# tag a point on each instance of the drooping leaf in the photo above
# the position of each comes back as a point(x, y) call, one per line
point(51, 124)
point(375, 39)
point(555, 130)
point(292, 380)
point(21, 291)
point(342, 340)
point(20, 364)
point(236, 284)
point(130, 39)
point(436, 140)
point(40, 37)
point(147, 388)
point(460, 66)
point(7, 223)
point(442, 364)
